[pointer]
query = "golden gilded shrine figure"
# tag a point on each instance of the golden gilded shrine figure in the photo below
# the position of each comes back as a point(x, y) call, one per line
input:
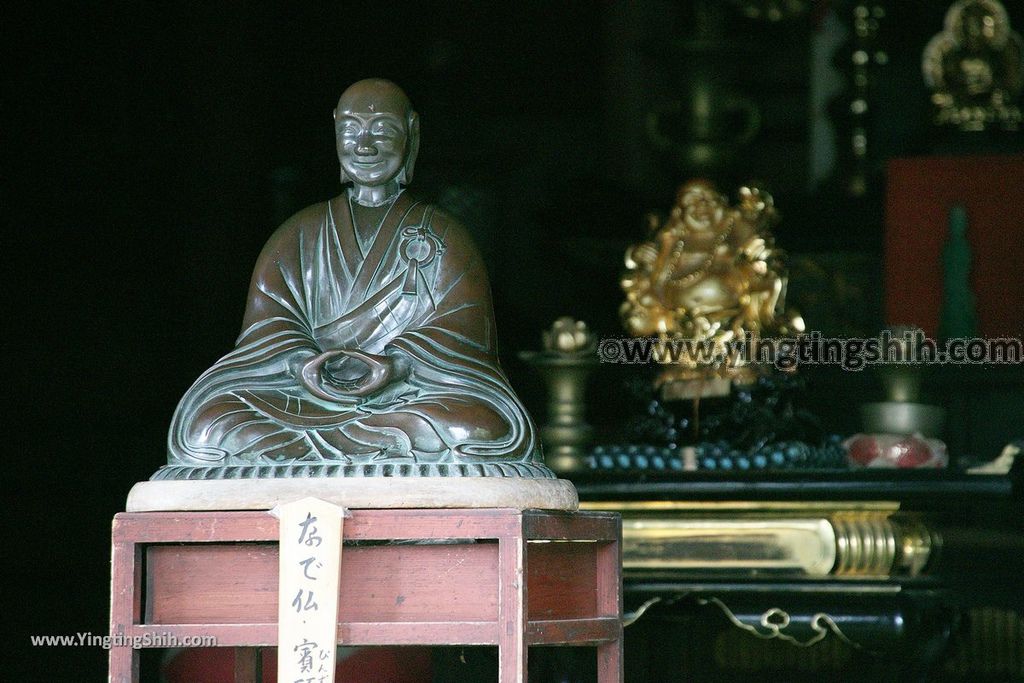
point(975, 68)
point(709, 273)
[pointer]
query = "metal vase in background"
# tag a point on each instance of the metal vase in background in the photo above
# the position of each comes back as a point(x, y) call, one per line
point(565, 365)
point(702, 130)
point(903, 411)
point(705, 130)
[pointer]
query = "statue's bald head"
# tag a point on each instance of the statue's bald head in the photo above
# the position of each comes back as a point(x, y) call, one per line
point(374, 121)
point(374, 96)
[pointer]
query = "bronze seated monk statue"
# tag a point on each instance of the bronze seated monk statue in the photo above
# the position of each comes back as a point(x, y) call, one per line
point(368, 345)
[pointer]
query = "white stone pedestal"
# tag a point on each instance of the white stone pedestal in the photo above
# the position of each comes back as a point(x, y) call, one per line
point(356, 492)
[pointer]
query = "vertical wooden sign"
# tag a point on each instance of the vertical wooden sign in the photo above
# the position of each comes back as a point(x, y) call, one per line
point(310, 564)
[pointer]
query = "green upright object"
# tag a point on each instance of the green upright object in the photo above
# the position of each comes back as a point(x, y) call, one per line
point(958, 319)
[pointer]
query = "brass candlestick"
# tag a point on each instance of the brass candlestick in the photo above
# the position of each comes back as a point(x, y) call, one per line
point(565, 365)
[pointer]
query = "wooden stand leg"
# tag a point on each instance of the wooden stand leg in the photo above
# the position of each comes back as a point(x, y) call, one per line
point(609, 662)
point(512, 649)
point(609, 601)
point(125, 608)
point(248, 665)
point(124, 665)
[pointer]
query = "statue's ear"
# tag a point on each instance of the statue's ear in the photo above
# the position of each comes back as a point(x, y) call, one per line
point(412, 149)
point(337, 143)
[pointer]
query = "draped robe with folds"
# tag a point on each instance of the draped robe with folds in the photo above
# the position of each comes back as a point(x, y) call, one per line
point(415, 290)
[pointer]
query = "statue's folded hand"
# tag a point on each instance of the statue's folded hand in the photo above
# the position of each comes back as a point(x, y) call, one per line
point(346, 375)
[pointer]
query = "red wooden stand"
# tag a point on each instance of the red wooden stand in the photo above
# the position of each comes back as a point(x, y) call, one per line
point(216, 573)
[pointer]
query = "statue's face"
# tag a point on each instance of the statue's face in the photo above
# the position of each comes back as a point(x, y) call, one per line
point(371, 146)
point(704, 210)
